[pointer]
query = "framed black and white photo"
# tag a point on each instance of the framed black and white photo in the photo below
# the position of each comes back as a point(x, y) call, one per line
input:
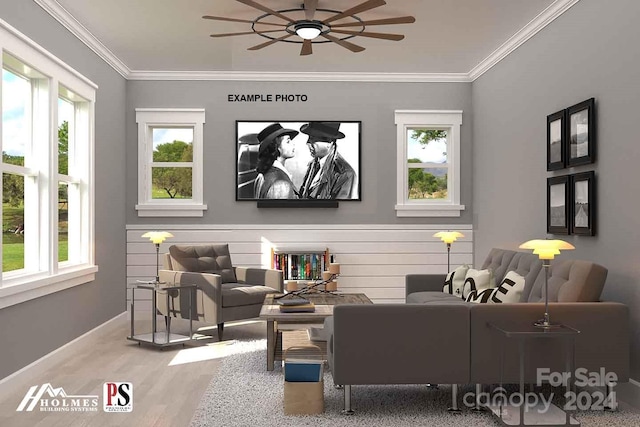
point(556, 140)
point(558, 205)
point(581, 145)
point(298, 160)
point(583, 204)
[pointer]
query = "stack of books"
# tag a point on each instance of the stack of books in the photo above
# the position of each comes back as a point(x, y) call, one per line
point(296, 305)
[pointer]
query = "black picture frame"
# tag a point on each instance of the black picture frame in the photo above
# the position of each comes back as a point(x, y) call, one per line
point(348, 151)
point(556, 140)
point(581, 133)
point(583, 203)
point(558, 208)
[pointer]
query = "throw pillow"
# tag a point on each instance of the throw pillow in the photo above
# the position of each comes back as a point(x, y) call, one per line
point(477, 280)
point(480, 296)
point(510, 290)
point(455, 280)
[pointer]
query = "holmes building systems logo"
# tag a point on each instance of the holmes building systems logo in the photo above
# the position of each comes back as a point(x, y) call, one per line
point(52, 399)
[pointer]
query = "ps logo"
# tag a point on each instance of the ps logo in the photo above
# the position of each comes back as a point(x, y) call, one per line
point(117, 397)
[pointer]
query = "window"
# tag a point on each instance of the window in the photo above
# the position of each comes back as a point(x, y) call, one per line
point(170, 143)
point(47, 172)
point(428, 182)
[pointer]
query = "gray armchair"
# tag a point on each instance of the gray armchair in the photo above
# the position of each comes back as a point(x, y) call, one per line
point(224, 292)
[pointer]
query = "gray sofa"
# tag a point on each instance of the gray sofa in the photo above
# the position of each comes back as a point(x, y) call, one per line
point(440, 338)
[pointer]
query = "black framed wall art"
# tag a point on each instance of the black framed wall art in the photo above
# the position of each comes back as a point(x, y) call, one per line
point(581, 144)
point(583, 203)
point(556, 140)
point(558, 205)
point(298, 161)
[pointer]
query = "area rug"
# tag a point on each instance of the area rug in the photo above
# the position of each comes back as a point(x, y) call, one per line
point(245, 394)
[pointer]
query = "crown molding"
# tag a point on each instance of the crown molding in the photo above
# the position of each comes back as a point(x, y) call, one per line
point(300, 76)
point(53, 8)
point(543, 19)
point(231, 227)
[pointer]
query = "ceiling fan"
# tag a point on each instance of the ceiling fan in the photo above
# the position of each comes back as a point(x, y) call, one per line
point(303, 23)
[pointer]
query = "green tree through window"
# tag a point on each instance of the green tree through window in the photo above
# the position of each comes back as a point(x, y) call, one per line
point(422, 184)
point(176, 182)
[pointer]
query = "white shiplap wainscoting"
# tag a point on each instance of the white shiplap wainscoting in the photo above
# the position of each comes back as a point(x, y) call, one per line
point(374, 258)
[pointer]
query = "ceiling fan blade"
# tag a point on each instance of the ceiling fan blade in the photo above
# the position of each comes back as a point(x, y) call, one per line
point(306, 48)
point(269, 43)
point(244, 33)
point(347, 45)
point(222, 18)
point(367, 5)
point(385, 36)
point(266, 9)
point(387, 21)
point(310, 7)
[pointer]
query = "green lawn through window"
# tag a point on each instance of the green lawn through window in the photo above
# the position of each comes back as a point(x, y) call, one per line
point(13, 244)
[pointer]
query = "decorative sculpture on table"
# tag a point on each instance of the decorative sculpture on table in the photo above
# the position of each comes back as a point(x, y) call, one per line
point(328, 280)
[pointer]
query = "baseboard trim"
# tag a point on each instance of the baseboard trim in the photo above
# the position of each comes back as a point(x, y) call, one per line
point(50, 355)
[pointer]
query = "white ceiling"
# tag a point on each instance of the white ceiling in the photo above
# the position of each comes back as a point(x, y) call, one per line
point(449, 36)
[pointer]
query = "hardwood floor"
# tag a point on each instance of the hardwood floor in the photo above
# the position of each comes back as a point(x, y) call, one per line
point(167, 384)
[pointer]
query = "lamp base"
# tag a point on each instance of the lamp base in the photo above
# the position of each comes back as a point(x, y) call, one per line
point(546, 324)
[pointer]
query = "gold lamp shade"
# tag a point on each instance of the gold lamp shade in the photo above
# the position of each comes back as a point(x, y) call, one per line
point(157, 237)
point(547, 248)
point(448, 236)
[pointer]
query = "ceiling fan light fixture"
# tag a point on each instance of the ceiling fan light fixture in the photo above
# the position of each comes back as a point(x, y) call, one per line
point(308, 30)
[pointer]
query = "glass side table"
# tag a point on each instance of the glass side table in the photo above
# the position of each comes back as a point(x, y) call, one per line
point(515, 415)
point(161, 338)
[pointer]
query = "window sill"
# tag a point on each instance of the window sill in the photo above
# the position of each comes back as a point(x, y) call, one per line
point(25, 288)
point(428, 210)
point(177, 210)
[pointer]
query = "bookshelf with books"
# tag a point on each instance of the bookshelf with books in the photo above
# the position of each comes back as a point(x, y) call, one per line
point(300, 264)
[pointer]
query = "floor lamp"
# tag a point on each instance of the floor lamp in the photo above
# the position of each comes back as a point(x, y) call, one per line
point(156, 238)
point(546, 250)
point(448, 237)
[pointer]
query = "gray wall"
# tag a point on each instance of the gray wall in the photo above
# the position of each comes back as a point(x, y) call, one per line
point(34, 328)
point(372, 103)
point(590, 51)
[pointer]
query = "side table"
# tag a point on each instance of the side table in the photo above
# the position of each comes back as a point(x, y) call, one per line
point(163, 338)
point(511, 415)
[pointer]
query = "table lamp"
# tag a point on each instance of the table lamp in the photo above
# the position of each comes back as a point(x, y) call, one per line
point(448, 237)
point(546, 250)
point(156, 238)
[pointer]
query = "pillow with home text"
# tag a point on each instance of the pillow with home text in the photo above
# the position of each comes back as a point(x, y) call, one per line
point(510, 290)
point(480, 296)
point(477, 280)
point(455, 280)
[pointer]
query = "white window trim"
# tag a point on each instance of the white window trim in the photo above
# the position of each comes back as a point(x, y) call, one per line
point(174, 117)
point(451, 120)
point(22, 288)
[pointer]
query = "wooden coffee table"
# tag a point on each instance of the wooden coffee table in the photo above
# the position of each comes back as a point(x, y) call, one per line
point(277, 321)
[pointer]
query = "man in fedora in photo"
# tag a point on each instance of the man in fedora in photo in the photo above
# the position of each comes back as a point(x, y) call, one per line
point(329, 175)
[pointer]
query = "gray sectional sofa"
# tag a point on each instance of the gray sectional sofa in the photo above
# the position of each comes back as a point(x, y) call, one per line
point(439, 338)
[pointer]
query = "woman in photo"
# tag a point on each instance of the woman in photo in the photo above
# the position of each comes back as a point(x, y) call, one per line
point(276, 146)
